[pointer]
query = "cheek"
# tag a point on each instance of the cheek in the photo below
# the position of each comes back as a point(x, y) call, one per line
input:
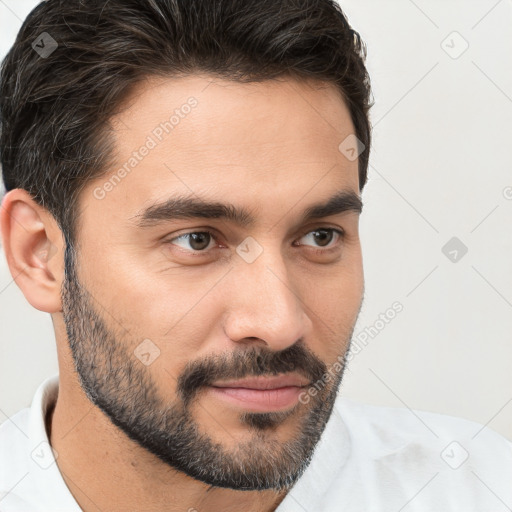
point(178, 318)
point(333, 306)
point(173, 311)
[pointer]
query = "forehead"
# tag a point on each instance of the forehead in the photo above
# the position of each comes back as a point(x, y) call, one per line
point(205, 136)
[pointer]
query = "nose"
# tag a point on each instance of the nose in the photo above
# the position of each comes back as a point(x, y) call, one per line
point(265, 304)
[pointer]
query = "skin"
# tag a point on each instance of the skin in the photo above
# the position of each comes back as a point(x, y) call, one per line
point(270, 147)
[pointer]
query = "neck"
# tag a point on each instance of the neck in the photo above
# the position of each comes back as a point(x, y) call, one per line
point(106, 470)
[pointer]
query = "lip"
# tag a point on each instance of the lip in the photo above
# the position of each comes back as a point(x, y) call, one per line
point(261, 394)
point(262, 382)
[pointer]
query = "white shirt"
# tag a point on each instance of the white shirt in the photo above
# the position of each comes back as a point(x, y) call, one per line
point(369, 459)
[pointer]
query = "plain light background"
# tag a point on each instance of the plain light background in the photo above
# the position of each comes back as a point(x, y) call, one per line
point(440, 168)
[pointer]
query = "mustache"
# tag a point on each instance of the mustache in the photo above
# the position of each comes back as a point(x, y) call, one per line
point(251, 362)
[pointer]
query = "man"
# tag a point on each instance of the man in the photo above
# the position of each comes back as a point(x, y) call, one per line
point(184, 185)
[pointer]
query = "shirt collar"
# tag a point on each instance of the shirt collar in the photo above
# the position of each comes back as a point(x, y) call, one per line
point(329, 459)
point(48, 485)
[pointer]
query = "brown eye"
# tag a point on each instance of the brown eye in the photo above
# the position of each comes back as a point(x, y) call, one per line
point(195, 241)
point(323, 237)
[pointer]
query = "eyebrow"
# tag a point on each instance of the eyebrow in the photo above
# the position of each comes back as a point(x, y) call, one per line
point(184, 207)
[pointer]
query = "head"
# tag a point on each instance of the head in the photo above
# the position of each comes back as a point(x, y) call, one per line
point(181, 199)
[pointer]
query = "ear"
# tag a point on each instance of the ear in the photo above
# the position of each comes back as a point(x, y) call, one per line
point(34, 249)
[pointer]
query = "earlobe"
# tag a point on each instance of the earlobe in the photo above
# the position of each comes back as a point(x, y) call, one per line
point(33, 245)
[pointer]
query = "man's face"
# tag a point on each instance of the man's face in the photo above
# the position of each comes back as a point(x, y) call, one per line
point(163, 309)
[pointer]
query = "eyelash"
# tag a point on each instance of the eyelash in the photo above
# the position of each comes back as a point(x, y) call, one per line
point(339, 232)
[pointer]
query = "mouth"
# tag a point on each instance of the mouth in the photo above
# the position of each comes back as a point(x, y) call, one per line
point(261, 394)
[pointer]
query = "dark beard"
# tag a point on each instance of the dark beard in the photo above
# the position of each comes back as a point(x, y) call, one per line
point(118, 384)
